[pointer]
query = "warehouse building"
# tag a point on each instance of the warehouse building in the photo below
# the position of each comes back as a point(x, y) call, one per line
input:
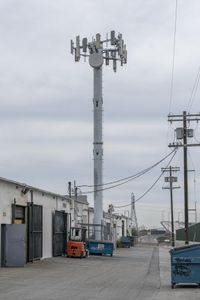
point(44, 219)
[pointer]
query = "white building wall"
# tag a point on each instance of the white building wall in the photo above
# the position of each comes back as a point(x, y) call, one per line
point(8, 194)
point(11, 192)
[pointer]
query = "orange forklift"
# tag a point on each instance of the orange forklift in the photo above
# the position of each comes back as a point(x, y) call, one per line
point(76, 246)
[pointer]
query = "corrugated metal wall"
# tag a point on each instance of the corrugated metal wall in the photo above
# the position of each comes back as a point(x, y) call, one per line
point(194, 233)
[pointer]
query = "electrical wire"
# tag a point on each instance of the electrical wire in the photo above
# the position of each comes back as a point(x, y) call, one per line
point(173, 57)
point(194, 91)
point(174, 151)
point(129, 178)
point(151, 187)
point(173, 66)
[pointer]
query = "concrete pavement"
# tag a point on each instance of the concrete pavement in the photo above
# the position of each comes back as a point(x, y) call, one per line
point(130, 274)
point(138, 273)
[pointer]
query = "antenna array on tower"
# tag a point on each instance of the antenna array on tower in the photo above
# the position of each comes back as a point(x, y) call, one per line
point(115, 52)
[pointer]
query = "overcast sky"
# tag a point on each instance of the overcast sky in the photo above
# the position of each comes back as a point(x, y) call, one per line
point(46, 116)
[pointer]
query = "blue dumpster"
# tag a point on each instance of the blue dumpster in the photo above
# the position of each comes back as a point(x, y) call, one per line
point(125, 242)
point(185, 265)
point(100, 247)
point(132, 240)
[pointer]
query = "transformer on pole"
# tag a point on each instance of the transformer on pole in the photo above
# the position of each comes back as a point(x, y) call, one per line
point(99, 51)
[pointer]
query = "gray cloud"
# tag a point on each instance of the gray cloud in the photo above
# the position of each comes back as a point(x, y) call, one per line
point(46, 99)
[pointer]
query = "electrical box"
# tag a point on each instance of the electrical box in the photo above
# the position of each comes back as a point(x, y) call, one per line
point(173, 179)
point(190, 133)
point(179, 133)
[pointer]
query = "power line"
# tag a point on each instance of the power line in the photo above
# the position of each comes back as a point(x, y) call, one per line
point(131, 177)
point(150, 188)
point(194, 90)
point(173, 64)
point(173, 57)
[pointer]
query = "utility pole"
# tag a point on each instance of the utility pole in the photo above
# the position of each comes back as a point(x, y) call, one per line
point(185, 178)
point(99, 51)
point(171, 179)
point(110, 211)
point(183, 133)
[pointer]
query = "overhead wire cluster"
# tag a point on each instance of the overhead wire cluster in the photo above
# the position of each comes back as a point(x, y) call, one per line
point(122, 181)
point(155, 182)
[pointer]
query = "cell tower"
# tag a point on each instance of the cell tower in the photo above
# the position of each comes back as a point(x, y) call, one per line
point(111, 49)
point(133, 213)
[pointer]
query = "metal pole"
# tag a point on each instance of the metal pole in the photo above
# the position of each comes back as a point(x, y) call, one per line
point(172, 209)
point(32, 225)
point(70, 189)
point(88, 223)
point(195, 212)
point(70, 227)
point(185, 176)
point(98, 53)
point(98, 151)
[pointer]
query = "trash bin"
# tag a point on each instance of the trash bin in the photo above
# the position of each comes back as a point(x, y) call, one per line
point(125, 242)
point(131, 239)
point(100, 247)
point(185, 265)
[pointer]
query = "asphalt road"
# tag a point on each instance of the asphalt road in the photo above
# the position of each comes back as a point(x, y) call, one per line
point(131, 274)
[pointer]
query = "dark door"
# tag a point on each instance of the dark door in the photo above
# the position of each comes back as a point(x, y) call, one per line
point(59, 233)
point(35, 220)
point(13, 246)
point(123, 228)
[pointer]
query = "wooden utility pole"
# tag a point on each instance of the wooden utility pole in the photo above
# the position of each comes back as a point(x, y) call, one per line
point(171, 179)
point(183, 133)
point(185, 177)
